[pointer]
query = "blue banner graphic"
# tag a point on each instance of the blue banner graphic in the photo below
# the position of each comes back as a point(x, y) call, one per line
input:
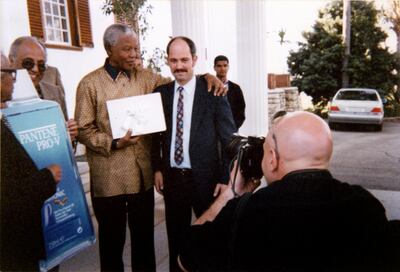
point(40, 127)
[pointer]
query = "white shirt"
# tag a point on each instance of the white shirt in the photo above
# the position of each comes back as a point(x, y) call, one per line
point(188, 97)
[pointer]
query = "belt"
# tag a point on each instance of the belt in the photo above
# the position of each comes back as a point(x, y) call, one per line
point(182, 171)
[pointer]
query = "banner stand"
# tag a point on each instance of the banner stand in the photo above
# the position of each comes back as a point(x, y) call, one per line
point(40, 127)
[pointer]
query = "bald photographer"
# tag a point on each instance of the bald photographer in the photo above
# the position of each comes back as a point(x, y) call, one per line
point(303, 220)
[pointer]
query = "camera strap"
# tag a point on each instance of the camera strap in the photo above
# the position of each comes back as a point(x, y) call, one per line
point(235, 226)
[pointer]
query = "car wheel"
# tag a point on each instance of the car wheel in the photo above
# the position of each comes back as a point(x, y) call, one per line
point(332, 125)
point(378, 127)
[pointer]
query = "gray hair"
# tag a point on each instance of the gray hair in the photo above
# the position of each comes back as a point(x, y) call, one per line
point(113, 33)
point(19, 41)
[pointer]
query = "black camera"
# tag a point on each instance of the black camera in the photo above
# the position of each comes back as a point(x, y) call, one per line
point(249, 152)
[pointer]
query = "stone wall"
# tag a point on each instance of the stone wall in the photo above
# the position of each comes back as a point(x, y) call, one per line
point(287, 99)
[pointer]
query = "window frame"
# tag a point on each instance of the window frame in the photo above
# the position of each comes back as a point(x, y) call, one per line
point(67, 17)
point(79, 24)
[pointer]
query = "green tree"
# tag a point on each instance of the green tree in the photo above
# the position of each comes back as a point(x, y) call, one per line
point(317, 66)
point(130, 12)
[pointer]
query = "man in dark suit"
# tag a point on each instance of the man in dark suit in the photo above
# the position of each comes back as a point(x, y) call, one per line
point(235, 94)
point(186, 161)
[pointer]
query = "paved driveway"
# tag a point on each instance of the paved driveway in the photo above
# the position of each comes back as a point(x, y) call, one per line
point(371, 159)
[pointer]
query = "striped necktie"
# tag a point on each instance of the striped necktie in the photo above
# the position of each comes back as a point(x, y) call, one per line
point(178, 155)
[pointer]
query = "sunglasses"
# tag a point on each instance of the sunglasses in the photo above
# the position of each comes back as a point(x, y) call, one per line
point(278, 114)
point(29, 63)
point(11, 72)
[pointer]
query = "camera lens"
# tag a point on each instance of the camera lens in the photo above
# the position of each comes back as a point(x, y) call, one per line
point(249, 151)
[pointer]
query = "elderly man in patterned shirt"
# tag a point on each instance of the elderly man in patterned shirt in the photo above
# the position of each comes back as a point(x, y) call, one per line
point(120, 170)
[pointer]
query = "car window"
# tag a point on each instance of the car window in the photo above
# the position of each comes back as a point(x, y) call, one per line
point(357, 95)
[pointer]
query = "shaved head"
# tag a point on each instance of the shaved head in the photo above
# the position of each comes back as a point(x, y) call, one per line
point(299, 140)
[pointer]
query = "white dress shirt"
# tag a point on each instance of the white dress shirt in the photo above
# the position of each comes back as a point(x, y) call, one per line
point(188, 97)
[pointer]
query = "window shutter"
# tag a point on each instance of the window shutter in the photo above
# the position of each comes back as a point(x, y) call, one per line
point(85, 29)
point(35, 18)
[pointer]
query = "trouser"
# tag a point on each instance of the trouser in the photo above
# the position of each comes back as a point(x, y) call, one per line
point(178, 198)
point(111, 214)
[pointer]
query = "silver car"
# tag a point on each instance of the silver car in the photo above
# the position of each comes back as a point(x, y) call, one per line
point(357, 106)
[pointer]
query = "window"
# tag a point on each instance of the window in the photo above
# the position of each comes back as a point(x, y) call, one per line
point(357, 95)
point(56, 23)
point(61, 23)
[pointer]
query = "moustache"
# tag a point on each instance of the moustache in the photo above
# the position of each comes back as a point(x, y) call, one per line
point(180, 71)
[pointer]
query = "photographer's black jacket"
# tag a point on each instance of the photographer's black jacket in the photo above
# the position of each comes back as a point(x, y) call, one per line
point(308, 221)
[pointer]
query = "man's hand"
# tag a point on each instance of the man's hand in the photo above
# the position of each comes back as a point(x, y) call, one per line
point(224, 195)
point(127, 140)
point(55, 171)
point(213, 81)
point(159, 182)
point(241, 186)
point(72, 127)
point(219, 188)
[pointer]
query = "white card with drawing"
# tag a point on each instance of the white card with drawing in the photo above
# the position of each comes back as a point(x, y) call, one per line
point(144, 114)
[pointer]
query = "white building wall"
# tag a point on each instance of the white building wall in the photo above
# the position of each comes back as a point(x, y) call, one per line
point(14, 22)
point(251, 46)
point(189, 19)
point(73, 65)
point(159, 32)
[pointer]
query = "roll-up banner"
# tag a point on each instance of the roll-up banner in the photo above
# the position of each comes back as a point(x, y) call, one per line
point(40, 127)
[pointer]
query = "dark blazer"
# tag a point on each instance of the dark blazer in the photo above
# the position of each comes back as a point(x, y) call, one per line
point(211, 122)
point(236, 101)
point(24, 189)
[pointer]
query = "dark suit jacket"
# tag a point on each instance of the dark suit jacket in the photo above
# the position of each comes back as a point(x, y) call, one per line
point(211, 122)
point(24, 189)
point(236, 101)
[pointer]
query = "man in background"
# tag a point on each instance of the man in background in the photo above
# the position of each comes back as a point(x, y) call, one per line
point(235, 94)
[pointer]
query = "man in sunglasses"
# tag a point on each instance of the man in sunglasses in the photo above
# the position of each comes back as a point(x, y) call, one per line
point(304, 220)
point(27, 53)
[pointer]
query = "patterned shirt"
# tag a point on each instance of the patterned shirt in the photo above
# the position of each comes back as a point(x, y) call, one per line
point(113, 171)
